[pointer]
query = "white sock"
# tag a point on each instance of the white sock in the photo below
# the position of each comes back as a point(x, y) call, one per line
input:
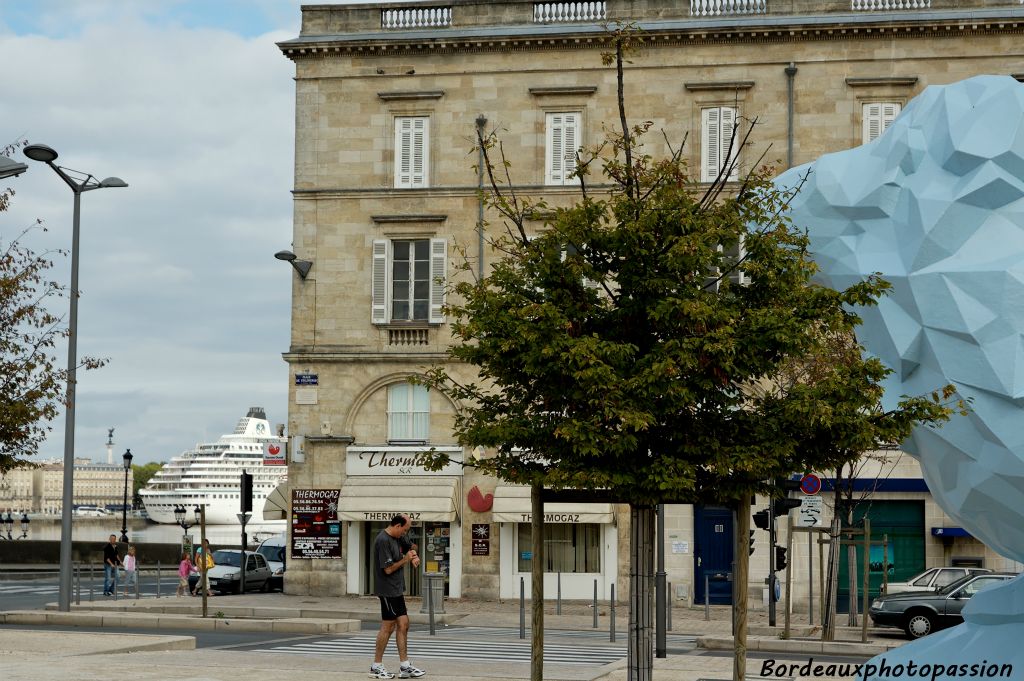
point(376, 664)
point(405, 663)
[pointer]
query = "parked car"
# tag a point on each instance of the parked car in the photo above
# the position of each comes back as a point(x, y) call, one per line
point(273, 549)
point(919, 613)
point(91, 512)
point(933, 578)
point(226, 575)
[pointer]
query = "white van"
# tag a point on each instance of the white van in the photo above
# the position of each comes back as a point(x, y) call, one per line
point(275, 551)
point(91, 512)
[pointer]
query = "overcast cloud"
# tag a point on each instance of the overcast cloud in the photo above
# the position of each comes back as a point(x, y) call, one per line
point(191, 103)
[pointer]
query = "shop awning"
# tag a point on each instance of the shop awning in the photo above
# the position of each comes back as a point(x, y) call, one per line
point(425, 498)
point(276, 505)
point(512, 505)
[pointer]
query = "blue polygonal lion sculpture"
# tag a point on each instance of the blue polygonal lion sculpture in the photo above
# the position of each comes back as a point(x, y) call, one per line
point(936, 205)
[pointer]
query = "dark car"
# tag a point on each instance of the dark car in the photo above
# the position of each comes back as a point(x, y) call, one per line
point(919, 613)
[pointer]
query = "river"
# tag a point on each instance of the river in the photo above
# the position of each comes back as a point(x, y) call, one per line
point(143, 531)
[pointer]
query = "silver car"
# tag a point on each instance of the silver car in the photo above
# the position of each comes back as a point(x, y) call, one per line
point(226, 573)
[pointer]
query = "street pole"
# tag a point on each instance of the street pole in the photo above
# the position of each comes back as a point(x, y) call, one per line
point(202, 544)
point(243, 518)
point(124, 509)
point(64, 594)
point(771, 560)
point(661, 644)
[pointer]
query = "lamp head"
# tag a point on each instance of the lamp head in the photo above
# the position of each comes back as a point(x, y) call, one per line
point(113, 182)
point(127, 459)
point(199, 514)
point(10, 168)
point(40, 152)
point(287, 256)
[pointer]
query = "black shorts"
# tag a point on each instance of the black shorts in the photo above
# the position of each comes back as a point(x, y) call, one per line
point(392, 607)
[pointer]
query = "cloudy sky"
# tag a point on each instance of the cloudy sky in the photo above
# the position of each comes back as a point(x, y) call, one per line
point(191, 103)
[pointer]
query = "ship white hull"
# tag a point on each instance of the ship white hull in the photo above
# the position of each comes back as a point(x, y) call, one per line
point(160, 508)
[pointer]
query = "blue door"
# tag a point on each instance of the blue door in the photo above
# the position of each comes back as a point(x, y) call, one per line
point(713, 553)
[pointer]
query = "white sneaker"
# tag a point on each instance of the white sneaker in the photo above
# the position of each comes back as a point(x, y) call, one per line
point(410, 672)
point(378, 671)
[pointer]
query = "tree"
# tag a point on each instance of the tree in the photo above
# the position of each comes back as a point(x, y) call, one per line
point(142, 474)
point(31, 385)
point(620, 349)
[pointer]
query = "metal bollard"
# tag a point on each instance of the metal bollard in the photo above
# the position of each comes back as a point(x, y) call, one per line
point(522, 607)
point(92, 582)
point(669, 610)
point(78, 584)
point(595, 604)
point(158, 579)
point(558, 601)
point(138, 576)
point(707, 604)
point(611, 619)
point(430, 605)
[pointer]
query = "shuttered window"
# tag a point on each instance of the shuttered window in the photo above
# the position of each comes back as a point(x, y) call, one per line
point(412, 151)
point(562, 142)
point(736, 275)
point(717, 124)
point(408, 413)
point(408, 280)
point(877, 117)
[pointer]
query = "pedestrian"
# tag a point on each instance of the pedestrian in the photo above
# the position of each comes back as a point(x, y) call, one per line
point(111, 561)
point(390, 589)
point(185, 568)
point(204, 559)
point(131, 570)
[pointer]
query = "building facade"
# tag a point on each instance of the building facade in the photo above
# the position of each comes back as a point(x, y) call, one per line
point(41, 489)
point(389, 100)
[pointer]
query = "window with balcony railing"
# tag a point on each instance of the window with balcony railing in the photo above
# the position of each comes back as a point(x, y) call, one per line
point(401, 18)
point(564, 12)
point(712, 8)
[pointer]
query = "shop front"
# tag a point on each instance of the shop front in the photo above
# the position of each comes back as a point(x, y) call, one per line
point(580, 545)
point(384, 481)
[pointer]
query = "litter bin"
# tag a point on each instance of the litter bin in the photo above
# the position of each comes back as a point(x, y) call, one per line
point(433, 583)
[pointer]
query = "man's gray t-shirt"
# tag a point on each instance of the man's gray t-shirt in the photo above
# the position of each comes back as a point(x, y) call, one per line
point(387, 550)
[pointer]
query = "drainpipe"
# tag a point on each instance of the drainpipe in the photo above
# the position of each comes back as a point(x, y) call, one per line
point(481, 121)
point(790, 77)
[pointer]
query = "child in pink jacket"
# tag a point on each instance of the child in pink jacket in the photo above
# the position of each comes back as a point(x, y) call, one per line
point(185, 568)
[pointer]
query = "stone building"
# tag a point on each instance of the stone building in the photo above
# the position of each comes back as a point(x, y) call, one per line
point(388, 102)
point(40, 489)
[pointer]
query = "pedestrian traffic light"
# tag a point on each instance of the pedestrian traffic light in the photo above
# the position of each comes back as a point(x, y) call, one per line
point(761, 519)
point(780, 558)
point(751, 542)
point(246, 492)
point(783, 505)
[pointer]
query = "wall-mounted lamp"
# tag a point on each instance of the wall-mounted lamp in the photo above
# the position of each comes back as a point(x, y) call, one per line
point(301, 266)
point(9, 168)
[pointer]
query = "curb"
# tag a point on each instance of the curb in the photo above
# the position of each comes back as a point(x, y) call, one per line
point(797, 645)
point(145, 620)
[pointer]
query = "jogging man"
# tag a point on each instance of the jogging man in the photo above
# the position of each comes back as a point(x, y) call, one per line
point(390, 588)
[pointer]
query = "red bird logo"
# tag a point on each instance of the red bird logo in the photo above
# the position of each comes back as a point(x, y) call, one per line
point(478, 502)
point(274, 449)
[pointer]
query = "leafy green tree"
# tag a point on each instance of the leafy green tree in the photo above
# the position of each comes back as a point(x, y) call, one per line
point(620, 349)
point(143, 473)
point(31, 384)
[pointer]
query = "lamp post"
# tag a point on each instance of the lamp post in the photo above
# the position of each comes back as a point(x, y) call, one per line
point(24, 525)
point(79, 185)
point(124, 501)
point(8, 524)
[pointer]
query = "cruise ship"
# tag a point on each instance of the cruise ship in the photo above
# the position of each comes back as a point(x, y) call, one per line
point(211, 474)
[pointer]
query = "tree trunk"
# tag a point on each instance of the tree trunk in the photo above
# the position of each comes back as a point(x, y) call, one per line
point(851, 569)
point(739, 580)
point(537, 584)
point(640, 651)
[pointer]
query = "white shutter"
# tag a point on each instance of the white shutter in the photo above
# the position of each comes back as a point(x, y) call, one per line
point(711, 138)
point(438, 278)
point(412, 151)
point(877, 117)
point(562, 140)
point(379, 282)
point(728, 121)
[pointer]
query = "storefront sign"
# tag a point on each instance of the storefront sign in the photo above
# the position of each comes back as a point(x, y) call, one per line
point(481, 530)
point(316, 530)
point(400, 461)
point(273, 454)
point(558, 518)
point(388, 515)
point(481, 547)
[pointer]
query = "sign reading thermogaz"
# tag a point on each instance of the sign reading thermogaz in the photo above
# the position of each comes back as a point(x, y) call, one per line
point(316, 530)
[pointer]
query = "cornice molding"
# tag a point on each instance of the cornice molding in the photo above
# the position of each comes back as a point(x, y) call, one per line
point(900, 81)
point(407, 95)
point(719, 85)
point(391, 219)
point(548, 91)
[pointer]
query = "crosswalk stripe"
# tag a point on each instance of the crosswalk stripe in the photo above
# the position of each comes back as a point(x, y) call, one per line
point(461, 650)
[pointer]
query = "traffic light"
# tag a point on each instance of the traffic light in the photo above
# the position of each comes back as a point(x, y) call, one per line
point(761, 519)
point(780, 558)
point(751, 542)
point(783, 505)
point(246, 492)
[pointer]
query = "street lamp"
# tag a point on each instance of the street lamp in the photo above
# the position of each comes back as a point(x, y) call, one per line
point(124, 500)
point(8, 524)
point(179, 517)
point(79, 183)
point(9, 168)
point(24, 525)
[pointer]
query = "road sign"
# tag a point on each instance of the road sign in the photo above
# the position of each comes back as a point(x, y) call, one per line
point(810, 484)
point(809, 514)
